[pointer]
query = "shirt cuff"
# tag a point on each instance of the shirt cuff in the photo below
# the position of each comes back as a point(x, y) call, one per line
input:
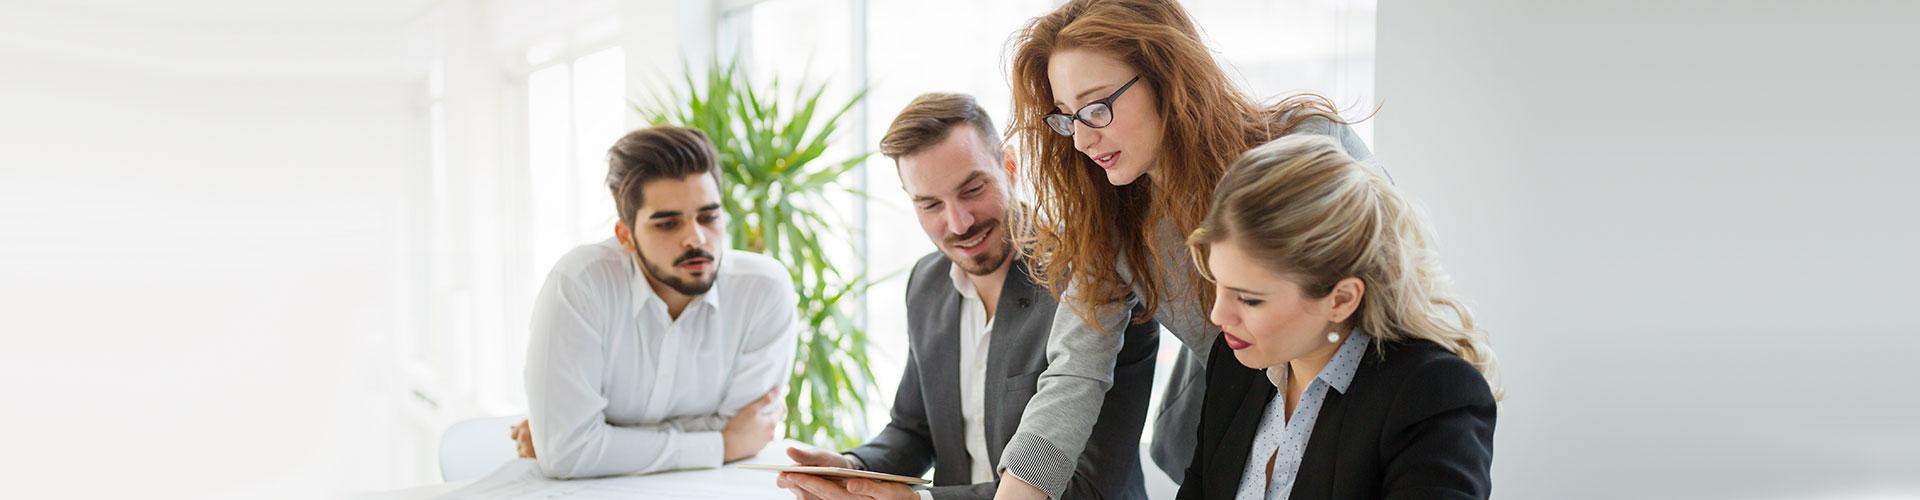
point(1038, 463)
point(858, 464)
point(701, 450)
point(925, 495)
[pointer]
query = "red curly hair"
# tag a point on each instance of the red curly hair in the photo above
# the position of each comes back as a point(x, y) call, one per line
point(1081, 222)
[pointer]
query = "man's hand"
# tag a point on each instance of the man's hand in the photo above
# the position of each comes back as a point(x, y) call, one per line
point(811, 487)
point(524, 437)
point(820, 458)
point(877, 490)
point(751, 429)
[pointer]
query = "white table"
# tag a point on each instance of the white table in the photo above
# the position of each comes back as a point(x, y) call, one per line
point(519, 480)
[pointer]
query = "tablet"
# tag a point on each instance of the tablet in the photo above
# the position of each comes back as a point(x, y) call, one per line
point(836, 472)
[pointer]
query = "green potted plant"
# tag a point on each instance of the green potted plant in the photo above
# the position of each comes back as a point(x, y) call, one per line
point(777, 187)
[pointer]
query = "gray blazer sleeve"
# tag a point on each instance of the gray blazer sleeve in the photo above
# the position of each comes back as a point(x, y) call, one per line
point(1054, 429)
point(1340, 132)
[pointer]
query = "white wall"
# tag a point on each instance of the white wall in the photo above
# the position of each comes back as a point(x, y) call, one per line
point(197, 250)
point(1689, 226)
point(231, 265)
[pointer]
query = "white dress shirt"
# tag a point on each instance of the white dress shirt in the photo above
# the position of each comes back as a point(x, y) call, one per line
point(616, 386)
point(976, 335)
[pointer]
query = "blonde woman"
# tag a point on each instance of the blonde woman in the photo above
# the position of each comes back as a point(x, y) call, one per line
point(1358, 375)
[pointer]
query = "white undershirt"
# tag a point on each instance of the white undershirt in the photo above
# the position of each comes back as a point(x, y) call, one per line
point(976, 335)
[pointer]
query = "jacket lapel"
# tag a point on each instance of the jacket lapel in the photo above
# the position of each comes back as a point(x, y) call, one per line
point(1013, 340)
point(1316, 476)
point(1230, 459)
point(940, 366)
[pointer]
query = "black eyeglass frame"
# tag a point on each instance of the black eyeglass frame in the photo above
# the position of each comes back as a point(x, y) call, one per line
point(1065, 128)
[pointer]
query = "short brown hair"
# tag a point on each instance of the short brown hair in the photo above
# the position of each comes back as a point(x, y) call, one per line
point(929, 118)
point(662, 152)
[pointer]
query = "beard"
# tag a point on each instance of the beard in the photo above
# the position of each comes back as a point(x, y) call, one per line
point(689, 286)
point(986, 262)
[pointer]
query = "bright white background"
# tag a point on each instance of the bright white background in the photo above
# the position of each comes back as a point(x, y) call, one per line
point(1691, 228)
point(270, 249)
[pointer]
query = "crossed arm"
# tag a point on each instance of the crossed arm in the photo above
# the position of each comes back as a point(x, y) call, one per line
point(569, 434)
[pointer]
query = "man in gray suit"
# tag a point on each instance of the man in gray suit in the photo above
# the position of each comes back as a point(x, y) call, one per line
point(977, 333)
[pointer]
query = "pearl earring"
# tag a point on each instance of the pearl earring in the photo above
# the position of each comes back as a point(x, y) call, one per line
point(1333, 337)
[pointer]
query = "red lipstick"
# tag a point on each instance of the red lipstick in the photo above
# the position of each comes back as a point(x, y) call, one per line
point(1234, 342)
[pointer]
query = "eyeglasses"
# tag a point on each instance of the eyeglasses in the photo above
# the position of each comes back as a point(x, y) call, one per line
point(1096, 114)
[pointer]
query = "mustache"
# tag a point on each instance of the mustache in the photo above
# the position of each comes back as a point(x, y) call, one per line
point(693, 254)
point(973, 232)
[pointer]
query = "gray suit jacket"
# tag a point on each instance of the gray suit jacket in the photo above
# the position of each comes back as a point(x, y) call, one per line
point(926, 428)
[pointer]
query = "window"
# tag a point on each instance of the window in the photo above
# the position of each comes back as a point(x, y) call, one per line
point(1277, 47)
point(575, 109)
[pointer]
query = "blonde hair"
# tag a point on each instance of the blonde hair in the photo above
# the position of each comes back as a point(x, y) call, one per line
point(1313, 213)
point(1086, 228)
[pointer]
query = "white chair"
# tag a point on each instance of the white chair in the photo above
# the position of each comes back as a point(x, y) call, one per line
point(473, 447)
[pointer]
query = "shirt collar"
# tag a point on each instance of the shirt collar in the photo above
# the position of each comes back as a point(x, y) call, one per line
point(1339, 371)
point(643, 292)
point(712, 297)
point(960, 282)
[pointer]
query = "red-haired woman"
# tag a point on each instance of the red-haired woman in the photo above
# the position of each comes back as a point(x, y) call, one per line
point(1125, 123)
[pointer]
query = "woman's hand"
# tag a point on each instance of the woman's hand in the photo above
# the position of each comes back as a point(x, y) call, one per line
point(1014, 488)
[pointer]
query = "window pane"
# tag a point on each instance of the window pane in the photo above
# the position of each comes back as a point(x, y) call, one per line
point(549, 132)
point(1278, 47)
point(599, 79)
point(574, 112)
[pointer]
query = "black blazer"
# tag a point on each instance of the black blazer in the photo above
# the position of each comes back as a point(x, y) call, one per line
point(1414, 423)
point(926, 428)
